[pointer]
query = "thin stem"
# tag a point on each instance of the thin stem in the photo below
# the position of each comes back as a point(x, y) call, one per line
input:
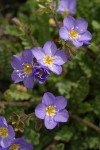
point(29, 33)
point(84, 121)
point(19, 104)
point(55, 19)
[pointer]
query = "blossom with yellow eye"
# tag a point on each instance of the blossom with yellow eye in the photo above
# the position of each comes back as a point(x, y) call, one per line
point(75, 31)
point(52, 110)
point(20, 144)
point(50, 57)
point(6, 133)
point(23, 68)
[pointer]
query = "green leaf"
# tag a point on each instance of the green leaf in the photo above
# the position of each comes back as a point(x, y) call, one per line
point(84, 107)
point(17, 92)
point(65, 134)
point(32, 136)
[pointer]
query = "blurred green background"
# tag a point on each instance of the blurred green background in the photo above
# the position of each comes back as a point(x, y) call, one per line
point(79, 82)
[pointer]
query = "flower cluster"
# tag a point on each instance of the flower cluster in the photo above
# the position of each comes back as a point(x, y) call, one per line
point(7, 138)
point(36, 64)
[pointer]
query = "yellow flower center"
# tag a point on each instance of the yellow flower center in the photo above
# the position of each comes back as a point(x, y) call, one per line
point(14, 147)
point(3, 132)
point(48, 60)
point(73, 34)
point(27, 68)
point(50, 111)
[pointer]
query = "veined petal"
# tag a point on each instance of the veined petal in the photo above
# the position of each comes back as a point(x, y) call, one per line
point(16, 62)
point(50, 48)
point(48, 99)
point(27, 56)
point(87, 36)
point(55, 68)
point(49, 122)
point(15, 77)
point(81, 25)
point(63, 5)
point(77, 43)
point(11, 132)
point(29, 82)
point(60, 102)
point(63, 32)
point(69, 23)
point(60, 57)
point(38, 53)
point(3, 121)
point(40, 111)
point(5, 142)
point(72, 6)
point(61, 116)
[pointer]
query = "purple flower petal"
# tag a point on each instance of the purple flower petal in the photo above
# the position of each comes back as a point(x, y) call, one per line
point(50, 123)
point(77, 43)
point(3, 121)
point(38, 53)
point(11, 132)
point(81, 25)
point(63, 4)
point(48, 99)
point(69, 22)
point(60, 57)
point(41, 62)
point(63, 32)
point(41, 78)
point(86, 43)
point(27, 56)
point(50, 48)
point(24, 145)
point(61, 116)
point(15, 77)
point(56, 69)
point(40, 111)
point(16, 62)
point(60, 102)
point(29, 82)
point(72, 6)
point(5, 142)
point(86, 36)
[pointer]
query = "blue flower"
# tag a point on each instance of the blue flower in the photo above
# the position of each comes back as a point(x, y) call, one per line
point(50, 57)
point(19, 144)
point(23, 68)
point(6, 133)
point(75, 31)
point(52, 110)
point(41, 74)
point(67, 7)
